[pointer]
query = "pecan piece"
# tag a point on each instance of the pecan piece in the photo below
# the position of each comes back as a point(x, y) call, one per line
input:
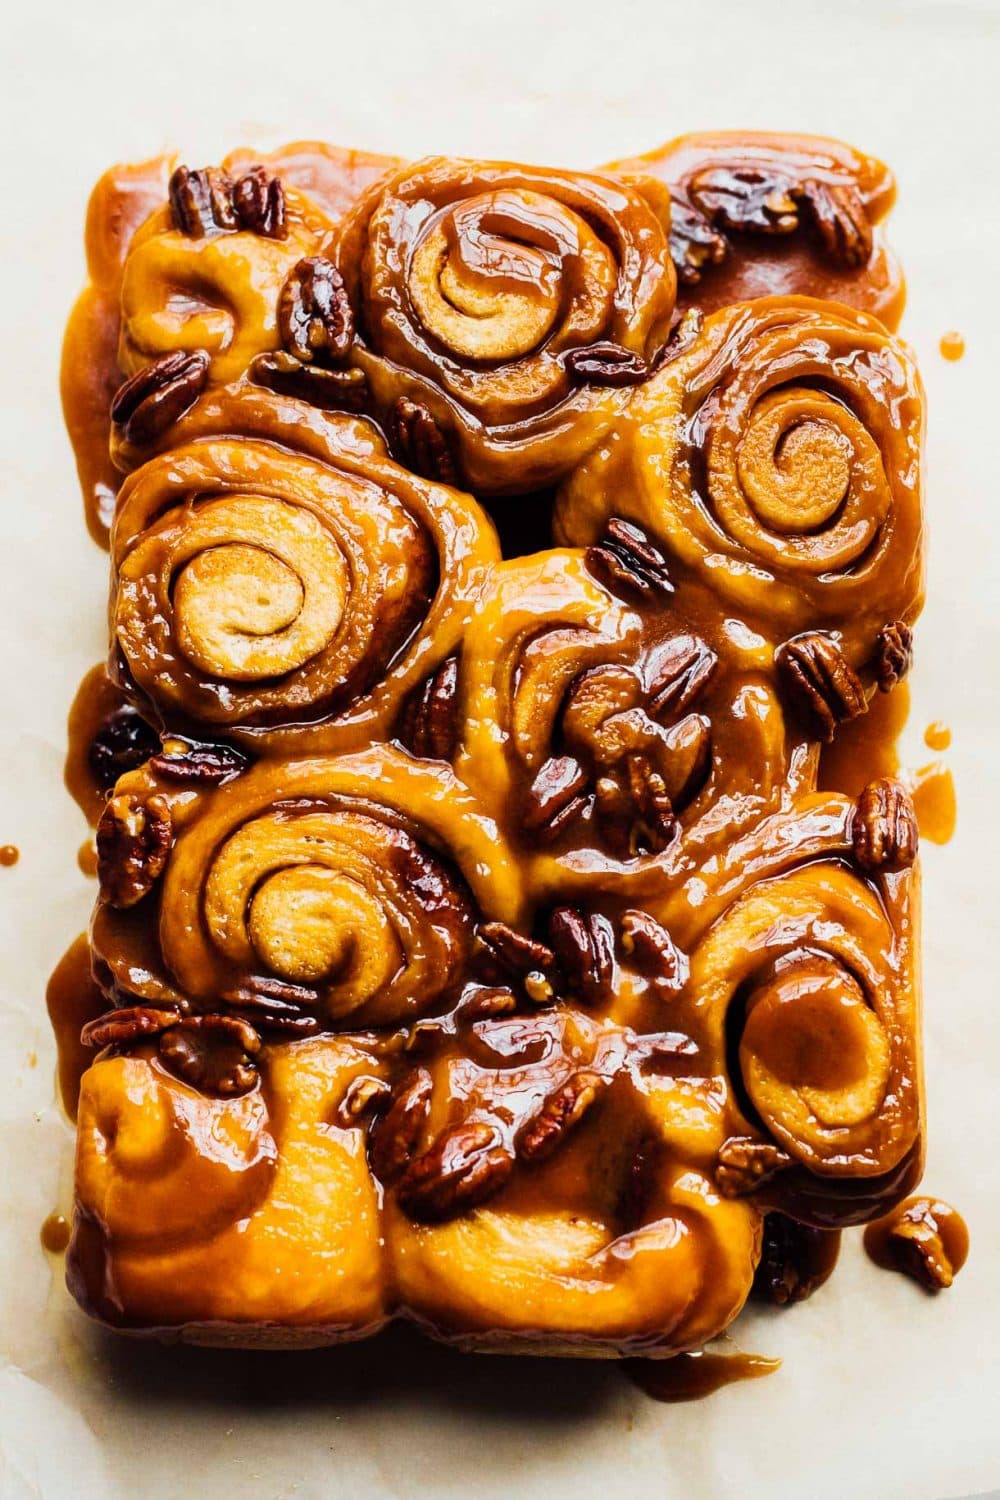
point(795, 1260)
point(836, 212)
point(634, 809)
point(419, 442)
point(466, 1165)
point(915, 1241)
point(606, 363)
point(116, 1028)
point(213, 1053)
point(559, 1116)
point(210, 764)
point(583, 944)
point(746, 199)
point(314, 313)
point(395, 1135)
point(123, 743)
point(893, 654)
point(745, 1164)
point(653, 951)
point(329, 390)
point(884, 830)
point(201, 200)
point(428, 725)
point(509, 953)
point(259, 204)
point(159, 394)
point(365, 1095)
point(487, 1003)
point(556, 797)
point(133, 841)
point(820, 682)
point(625, 557)
point(682, 673)
point(694, 242)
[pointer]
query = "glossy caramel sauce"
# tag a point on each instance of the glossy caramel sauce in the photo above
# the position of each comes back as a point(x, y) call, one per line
point(55, 1233)
point(96, 700)
point(86, 858)
point(867, 748)
point(9, 854)
point(73, 999)
point(689, 1377)
point(937, 736)
point(928, 1223)
point(952, 345)
point(932, 788)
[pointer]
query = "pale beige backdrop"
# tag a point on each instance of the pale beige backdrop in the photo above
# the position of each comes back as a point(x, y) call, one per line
point(884, 1392)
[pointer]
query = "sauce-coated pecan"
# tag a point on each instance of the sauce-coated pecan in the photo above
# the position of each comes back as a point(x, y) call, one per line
point(633, 808)
point(606, 364)
point(746, 199)
point(201, 200)
point(745, 1163)
point(559, 1116)
point(159, 394)
point(428, 724)
point(133, 841)
point(486, 1003)
point(123, 743)
point(510, 952)
point(914, 1243)
point(466, 1165)
point(884, 827)
point(366, 1096)
point(116, 1028)
point(626, 558)
point(213, 1053)
point(395, 1134)
point(329, 390)
point(419, 443)
point(893, 654)
point(653, 952)
point(314, 313)
point(795, 1260)
point(259, 204)
point(837, 214)
point(820, 682)
point(694, 242)
point(584, 948)
point(556, 797)
point(210, 764)
point(683, 671)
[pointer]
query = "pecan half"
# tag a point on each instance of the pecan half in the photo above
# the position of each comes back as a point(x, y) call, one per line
point(584, 948)
point(795, 1260)
point(486, 1004)
point(745, 199)
point(159, 394)
point(329, 390)
point(653, 951)
point(884, 830)
point(510, 952)
point(745, 1164)
point(633, 808)
point(395, 1135)
point(419, 443)
point(626, 558)
point(668, 1054)
point(559, 1116)
point(683, 671)
point(606, 363)
point(133, 841)
point(314, 313)
point(466, 1165)
point(210, 764)
point(262, 991)
point(694, 242)
point(259, 203)
point(556, 797)
point(213, 1053)
point(365, 1096)
point(893, 654)
point(919, 1249)
point(837, 214)
point(820, 682)
point(116, 1028)
point(123, 743)
point(201, 200)
point(428, 724)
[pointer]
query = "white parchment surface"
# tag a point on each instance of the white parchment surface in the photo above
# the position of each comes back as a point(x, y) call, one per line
point(884, 1392)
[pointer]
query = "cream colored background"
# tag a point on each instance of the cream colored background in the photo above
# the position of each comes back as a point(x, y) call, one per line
point(884, 1392)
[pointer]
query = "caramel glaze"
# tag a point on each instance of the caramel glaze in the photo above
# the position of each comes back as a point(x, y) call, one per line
point(495, 897)
point(9, 854)
point(952, 346)
point(932, 788)
point(55, 1233)
point(689, 1377)
point(73, 999)
point(937, 736)
point(924, 1238)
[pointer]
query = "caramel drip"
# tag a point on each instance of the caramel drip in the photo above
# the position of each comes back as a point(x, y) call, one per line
point(96, 700)
point(952, 346)
point(9, 854)
point(72, 999)
point(933, 790)
point(689, 1377)
point(937, 736)
point(55, 1233)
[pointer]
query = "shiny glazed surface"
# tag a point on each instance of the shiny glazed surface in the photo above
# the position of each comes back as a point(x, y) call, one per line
point(480, 939)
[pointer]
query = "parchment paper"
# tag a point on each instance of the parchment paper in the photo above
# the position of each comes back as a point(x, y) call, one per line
point(884, 1391)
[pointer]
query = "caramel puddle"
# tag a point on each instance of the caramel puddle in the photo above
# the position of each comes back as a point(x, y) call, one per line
point(688, 1377)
